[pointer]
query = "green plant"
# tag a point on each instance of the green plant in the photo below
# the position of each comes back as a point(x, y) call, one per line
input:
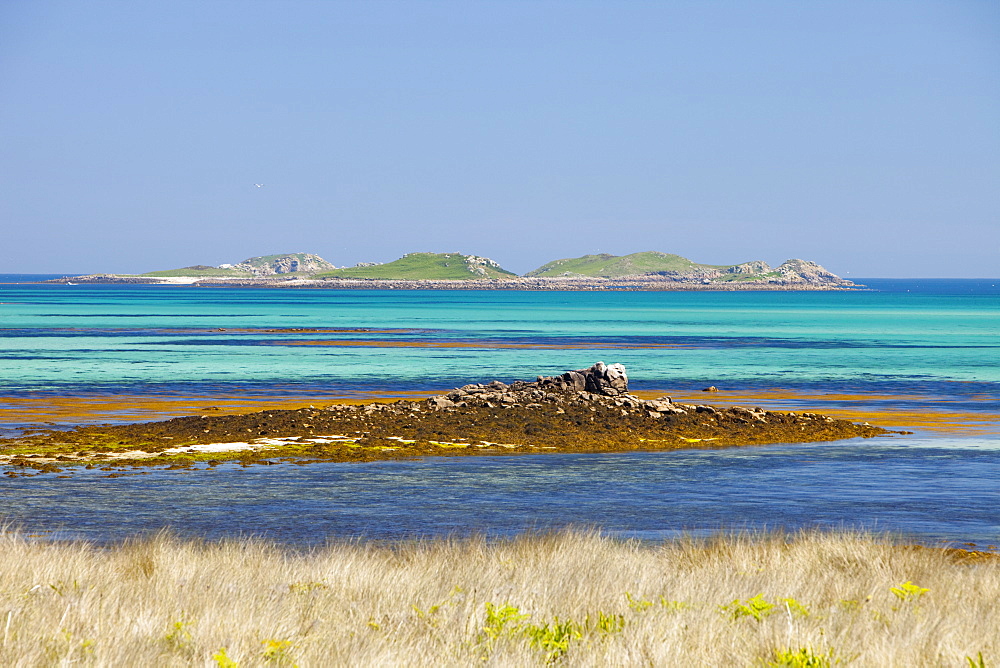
point(222, 660)
point(673, 606)
point(638, 604)
point(276, 651)
point(502, 620)
point(803, 658)
point(429, 614)
point(755, 607)
point(306, 587)
point(977, 662)
point(607, 623)
point(178, 637)
point(908, 591)
point(795, 608)
point(553, 639)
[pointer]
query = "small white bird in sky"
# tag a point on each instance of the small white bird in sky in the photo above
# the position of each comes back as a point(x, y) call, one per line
point(259, 185)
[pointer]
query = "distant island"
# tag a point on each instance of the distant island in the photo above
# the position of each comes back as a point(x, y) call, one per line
point(649, 270)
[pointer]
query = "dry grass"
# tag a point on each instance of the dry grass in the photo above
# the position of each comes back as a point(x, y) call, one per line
point(580, 599)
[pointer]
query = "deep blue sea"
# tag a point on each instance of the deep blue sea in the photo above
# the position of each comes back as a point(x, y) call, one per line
point(903, 349)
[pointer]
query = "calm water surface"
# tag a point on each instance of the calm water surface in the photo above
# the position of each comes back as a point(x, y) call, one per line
point(919, 344)
point(920, 489)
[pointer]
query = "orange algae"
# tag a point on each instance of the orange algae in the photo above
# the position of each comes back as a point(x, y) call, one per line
point(124, 408)
point(882, 409)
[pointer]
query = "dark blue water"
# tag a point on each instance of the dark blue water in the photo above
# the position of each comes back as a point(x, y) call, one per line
point(31, 278)
point(933, 286)
point(907, 487)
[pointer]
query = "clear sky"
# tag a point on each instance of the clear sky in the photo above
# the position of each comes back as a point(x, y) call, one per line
point(863, 135)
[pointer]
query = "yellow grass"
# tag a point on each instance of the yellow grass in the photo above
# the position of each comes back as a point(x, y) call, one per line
point(572, 598)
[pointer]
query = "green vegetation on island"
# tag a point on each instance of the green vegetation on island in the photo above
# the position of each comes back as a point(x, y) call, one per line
point(645, 270)
point(265, 265)
point(426, 266)
point(605, 265)
point(199, 270)
point(681, 269)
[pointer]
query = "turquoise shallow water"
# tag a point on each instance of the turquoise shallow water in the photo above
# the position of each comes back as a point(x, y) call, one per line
point(918, 345)
point(140, 339)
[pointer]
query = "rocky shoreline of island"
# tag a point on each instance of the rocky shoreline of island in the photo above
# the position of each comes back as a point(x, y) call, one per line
point(586, 410)
point(567, 284)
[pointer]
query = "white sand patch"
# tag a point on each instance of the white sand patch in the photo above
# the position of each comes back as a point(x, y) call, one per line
point(177, 280)
point(216, 447)
point(188, 280)
point(258, 444)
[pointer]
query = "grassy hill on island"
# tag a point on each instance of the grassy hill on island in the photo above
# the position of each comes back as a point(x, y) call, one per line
point(200, 271)
point(426, 266)
point(615, 266)
point(679, 268)
point(264, 265)
point(650, 265)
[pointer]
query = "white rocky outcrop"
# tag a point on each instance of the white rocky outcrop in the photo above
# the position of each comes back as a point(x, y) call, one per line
point(270, 265)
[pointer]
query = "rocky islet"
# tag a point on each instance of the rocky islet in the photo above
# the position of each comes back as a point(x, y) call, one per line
point(584, 410)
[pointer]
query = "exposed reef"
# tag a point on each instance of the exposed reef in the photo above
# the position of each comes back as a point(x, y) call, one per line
point(586, 410)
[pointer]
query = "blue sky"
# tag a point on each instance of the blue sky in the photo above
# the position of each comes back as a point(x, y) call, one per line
point(862, 135)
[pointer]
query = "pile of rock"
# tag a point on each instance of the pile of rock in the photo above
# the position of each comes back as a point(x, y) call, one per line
point(602, 384)
point(270, 265)
point(105, 278)
point(608, 380)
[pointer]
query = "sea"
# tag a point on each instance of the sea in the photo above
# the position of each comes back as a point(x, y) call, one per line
point(912, 355)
